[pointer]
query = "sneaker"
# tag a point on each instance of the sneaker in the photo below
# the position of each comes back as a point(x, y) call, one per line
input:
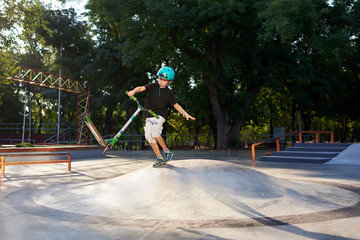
point(159, 161)
point(168, 156)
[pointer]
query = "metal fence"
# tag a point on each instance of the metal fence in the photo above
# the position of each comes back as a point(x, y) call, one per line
point(67, 132)
point(137, 141)
point(45, 128)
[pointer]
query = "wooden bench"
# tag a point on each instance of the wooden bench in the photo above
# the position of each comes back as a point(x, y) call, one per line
point(3, 163)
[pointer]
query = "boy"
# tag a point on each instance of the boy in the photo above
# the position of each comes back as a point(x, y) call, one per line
point(157, 99)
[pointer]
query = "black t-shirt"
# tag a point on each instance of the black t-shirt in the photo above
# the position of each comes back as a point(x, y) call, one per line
point(157, 99)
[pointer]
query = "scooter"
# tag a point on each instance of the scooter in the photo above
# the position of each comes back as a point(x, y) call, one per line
point(109, 144)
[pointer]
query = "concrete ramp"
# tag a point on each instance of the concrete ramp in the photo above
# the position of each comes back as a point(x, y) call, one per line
point(194, 189)
point(350, 156)
point(315, 153)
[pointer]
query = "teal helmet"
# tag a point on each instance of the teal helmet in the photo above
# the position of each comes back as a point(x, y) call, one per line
point(166, 73)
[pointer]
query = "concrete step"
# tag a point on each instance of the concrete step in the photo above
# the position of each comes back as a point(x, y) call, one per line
point(322, 144)
point(305, 154)
point(315, 149)
point(293, 159)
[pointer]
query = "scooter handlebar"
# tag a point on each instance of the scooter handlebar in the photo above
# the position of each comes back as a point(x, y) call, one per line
point(132, 97)
point(152, 113)
point(148, 110)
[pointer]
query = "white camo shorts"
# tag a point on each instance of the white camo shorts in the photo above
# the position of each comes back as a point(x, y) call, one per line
point(153, 128)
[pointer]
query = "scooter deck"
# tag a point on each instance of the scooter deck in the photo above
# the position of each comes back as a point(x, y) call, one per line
point(85, 116)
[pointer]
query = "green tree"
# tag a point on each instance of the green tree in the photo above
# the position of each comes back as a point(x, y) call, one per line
point(206, 42)
point(319, 38)
point(11, 17)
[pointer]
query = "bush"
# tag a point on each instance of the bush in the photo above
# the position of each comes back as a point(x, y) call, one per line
point(26, 144)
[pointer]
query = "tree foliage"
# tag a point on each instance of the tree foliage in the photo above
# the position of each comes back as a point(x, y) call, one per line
point(237, 62)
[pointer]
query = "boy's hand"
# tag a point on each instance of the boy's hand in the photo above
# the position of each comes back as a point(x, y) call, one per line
point(188, 116)
point(182, 111)
point(136, 90)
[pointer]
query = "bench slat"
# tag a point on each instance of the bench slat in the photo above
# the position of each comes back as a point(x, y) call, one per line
point(3, 163)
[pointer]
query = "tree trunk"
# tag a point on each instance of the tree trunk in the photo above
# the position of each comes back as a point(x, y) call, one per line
point(293, 116)
point(197, 130)
point(306, 119)
point(213, 128)
point(221, 114)
point(237, 125)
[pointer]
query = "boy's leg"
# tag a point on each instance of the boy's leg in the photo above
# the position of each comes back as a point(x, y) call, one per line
point(161, 142)
point(168, 155)
point(150, 122)
point(153, 129)
point(148, 135)
point(156, 149)
point(159, 159)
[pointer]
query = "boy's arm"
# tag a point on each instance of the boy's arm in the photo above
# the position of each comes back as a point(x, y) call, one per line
point(181, 110)
point(136, 90)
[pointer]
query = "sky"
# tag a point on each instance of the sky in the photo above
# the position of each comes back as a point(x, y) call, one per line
point(78, 5)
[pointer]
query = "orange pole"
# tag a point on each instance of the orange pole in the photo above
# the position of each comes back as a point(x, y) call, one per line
point(317, 137)
point(2, 165)
point(277, 145)
point(253, 153)
point(300, 137)
point(69, 164)
point(332, 137)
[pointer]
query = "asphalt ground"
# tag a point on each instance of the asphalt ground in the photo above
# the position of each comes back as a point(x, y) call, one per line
point(197, 195)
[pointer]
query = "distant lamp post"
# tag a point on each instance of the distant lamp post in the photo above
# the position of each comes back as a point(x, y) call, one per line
point(24, 117)
point(59, 101)
point(66, 13)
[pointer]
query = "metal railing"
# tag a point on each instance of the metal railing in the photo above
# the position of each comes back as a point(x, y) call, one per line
point(299, 133)
point(3, 163)
point(66, 134)
point(138, 141)
point(35, 127)
point(13, 141)
point(67, 130)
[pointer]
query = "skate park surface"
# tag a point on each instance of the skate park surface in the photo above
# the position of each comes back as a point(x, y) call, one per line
point(197, 195)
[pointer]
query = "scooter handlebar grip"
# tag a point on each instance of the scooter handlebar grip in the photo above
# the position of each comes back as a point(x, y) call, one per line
point(132, 97)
